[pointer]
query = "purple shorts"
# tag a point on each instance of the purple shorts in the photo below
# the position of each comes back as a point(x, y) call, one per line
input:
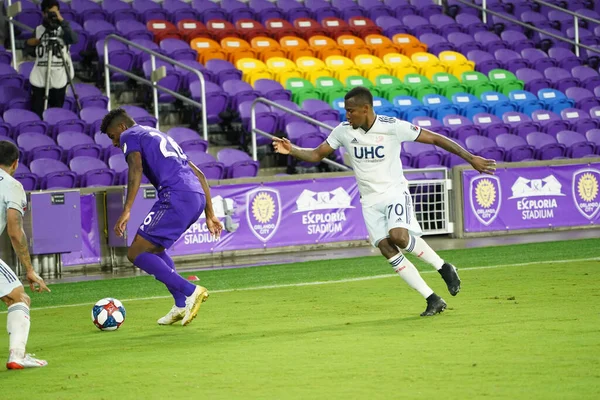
point(172, 215)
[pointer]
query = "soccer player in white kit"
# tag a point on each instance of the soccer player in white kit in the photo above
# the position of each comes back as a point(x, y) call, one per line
point(374, 144)
point(13, 203)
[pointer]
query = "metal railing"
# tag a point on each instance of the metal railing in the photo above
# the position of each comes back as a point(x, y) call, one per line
point(254, 130)
point(156, 76)
point(576, 17)
point(11, 11)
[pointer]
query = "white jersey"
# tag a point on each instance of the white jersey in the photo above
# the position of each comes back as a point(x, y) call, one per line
point(12, 195)
point(58, 76)
point(375, 155)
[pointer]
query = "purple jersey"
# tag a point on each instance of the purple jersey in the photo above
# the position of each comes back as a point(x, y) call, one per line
point(163, 161)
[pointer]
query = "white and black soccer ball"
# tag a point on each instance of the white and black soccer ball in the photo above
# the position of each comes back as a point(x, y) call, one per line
point(108, 314)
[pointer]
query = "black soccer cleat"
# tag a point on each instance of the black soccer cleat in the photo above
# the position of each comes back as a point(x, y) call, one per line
point(451, 278)
point(435, 305)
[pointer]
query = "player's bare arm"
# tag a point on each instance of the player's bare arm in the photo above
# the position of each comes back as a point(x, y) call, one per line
point(481, 164)
point(18, 238)
point(212, 222)
point(134, 180)
point(284, 146)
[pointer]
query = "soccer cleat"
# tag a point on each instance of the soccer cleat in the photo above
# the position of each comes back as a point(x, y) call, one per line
point(174, 315)
point(435, 305)
point(451, 278)
point(193, 303)
point(27, 362)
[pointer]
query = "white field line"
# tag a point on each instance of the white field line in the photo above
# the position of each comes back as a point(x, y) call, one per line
point(318, 283)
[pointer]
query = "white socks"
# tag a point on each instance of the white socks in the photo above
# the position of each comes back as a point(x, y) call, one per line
point(409, 273)
point(421, 249)
point(17, 325)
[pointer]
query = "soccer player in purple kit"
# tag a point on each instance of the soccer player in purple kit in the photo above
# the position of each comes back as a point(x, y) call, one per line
point(183, 195)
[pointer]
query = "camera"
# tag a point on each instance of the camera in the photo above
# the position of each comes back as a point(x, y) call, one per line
point(52, 21)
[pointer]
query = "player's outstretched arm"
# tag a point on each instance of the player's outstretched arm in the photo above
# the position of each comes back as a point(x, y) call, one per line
point(134, 180)
point(14, 222)
point(213, 224)
point(481, 164)
point(284, 146)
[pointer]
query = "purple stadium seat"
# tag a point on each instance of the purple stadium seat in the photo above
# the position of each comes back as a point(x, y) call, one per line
point(119, 11)
point(485, 147)
point(320, 110)
point(237, 163)
point(211, 168)
point(272, 90)
point(180, 10)
point(471, 23)
point(490, 41)
point(550, 122)
point(24, 121)
point(311, 140)
point(391, 26)
point(584, 99)
point(538, 59)
point(173, 80)
point(536, 19)
point(78, 144)
point(422, 154)
point(240, 91)
point(463, 43)
point(546, 146)
point(285, 117)
point(217, 100)
point(595, 113)
point(88, 10)
point(119, 56)
point(517, 40)
point(133, 30)
point(223, 70)
point(565, 57)
point(188, 139)
point(5, 130)
point(53, 173)
point(89, 96)
point(348, 9)
point(593, 136)
point(93, 116)
point(589, 78)
point(36, 145)
point(237, 10)
point(265, 10)
point(178, 49)
point(9, 94)
point(515, 147)
point(149, 10)
point(118, 163)
point(295, 130)
point(444, 23)
point(561, 78)
point(102, 140)
point(533, 79)
point(460, 126)
point(266, 120)
point(92, 172)
point(189, 76)
point(520, 123)
point(9, 77)
point(98, 29)
point(375, 8)
point(579, 120)
point(294, 10)
point(426, 8)
point(140, 56)
point(436, 43)
point(511, 59)
point(484, 61)
point(209, 10)
point(61, 120)
point(26, 178)
point(577, 144)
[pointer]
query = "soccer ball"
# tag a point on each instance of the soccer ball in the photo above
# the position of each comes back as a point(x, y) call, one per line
point(108, 314)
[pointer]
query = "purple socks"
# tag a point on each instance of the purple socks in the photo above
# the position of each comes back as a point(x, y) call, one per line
point(162, 268)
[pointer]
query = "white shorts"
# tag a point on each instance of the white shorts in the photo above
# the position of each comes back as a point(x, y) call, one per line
point(397, 212)
point(8, 279)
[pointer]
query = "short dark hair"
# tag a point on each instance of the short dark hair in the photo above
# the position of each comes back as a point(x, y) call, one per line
point(48, 4)
point(115, 116)
point(361, 95)
point(9, 153)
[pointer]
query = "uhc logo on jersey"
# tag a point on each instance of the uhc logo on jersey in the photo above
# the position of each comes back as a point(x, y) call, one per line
point(369, 152)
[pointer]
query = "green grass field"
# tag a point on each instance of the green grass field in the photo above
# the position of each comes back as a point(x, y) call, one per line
point(526, 325)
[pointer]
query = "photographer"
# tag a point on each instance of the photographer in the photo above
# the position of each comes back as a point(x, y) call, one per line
point(54, 34)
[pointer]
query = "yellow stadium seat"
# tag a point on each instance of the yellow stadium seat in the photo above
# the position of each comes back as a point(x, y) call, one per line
point(313, 68)
point(253, 69)
point(207, 49)
point(456, 63)
point(342, 67)
point(283, 69)
point(371, 66)
point(428, 64)
point(399, 65)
